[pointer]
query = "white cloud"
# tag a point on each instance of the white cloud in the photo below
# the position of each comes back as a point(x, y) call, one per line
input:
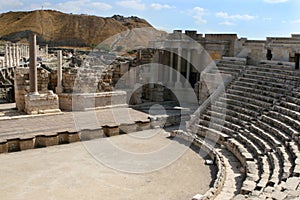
point(158, 6)
point(234, 17)
point(295, 21)
point(275, 1)
point(132, 4)
point(198, 14)
point(227, 23)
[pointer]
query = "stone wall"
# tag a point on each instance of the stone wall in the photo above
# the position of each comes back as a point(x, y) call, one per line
point(22, 85)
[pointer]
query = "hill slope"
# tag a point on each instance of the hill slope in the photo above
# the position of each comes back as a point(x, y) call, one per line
point(57, 28)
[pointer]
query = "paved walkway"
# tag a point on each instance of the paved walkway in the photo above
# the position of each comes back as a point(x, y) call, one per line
point(13, 123)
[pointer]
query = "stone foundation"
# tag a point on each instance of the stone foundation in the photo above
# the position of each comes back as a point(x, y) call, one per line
point(41, 104)
point(89, 101)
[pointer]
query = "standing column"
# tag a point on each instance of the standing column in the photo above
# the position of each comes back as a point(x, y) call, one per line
point(10, 56)
point(59, 88)
point(17, 55)
point(13, 54)
point(46, 50)
point(188, 66)
point(178, 83)
point(171, 66)
point(32, 65)
point(6, 57)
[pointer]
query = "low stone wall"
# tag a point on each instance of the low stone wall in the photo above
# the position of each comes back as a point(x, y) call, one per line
point(214, 155)
point(86, 101)
point(38, 140)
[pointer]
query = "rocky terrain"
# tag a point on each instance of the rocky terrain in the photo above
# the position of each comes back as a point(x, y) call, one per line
point(60, 29)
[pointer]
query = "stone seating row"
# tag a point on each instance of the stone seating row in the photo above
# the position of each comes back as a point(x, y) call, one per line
point(293, 77)
point(247, 141)
point(269, 68)
point(246, 144)
point(285, 83)
point(251, 98)
point(256, 94)
point(259, 88)
point(251, 109)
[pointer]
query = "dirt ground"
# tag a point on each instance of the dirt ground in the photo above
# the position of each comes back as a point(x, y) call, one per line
point(90, 170)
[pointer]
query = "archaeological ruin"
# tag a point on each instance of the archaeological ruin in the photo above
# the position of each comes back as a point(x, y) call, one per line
point(237, 100)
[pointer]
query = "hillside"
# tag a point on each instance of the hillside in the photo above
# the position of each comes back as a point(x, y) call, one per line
point(60, 29)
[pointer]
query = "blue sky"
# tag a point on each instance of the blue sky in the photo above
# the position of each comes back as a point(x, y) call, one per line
point(254, 19)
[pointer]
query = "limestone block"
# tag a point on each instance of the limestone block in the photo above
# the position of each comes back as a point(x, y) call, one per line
point(91, 134)
point(26, 143)
point(111, 130)
point(3, 146)
point(13, 145)
point(63, 137)
point(143, 125)
point(46, 140)
point(127, 128)
point(74, 137)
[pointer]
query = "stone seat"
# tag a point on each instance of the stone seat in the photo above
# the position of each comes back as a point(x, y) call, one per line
point(291, 113)
point(285, 83)
point(274, 179)
point(280, 66)
point(237, 108)
point(216, 71)
point(273, 74)
point(221, 122)
point(278, 124)
point(256, 94)
point(211, 134)
point(292, 99)
point(231, 65)
point(250, 98)
point(289, 105)
point(261, 81)
point(225, 116)
point(267, 68)
point(266, 136)
point(242, 117)
point(295, 124)
point(254, 110)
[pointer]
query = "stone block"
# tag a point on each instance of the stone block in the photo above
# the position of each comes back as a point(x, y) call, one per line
point(63, 138)
point(111, 130)
point(74, 137)
point(46, 140)
point(91, 134)
point(3, 146)
point(143, 125)
point(13, 145)
point(127, 128)
point(26, 143)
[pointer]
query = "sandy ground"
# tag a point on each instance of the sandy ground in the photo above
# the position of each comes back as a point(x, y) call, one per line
point(90, 170)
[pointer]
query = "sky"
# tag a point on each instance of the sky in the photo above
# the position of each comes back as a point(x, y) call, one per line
point(254, 19)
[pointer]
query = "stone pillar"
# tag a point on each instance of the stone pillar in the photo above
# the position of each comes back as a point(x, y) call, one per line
point(59, 88)
point(2, 63)
point(188, 66)
point(171, 66)
point(14, 55)
point(10, 56)
point(178, 83)
point(6, 57)
point(46, 50)
point(17, 55)
point(32, 65)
